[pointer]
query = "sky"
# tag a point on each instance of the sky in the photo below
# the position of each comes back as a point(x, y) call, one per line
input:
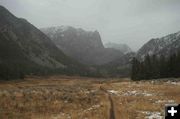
point(131, 22)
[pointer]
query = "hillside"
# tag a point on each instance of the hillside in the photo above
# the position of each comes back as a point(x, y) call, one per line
point(166, 46)
point(121, 47)
point(120, 67)
point(25, 49)
point(84, 46)
point(158, 58)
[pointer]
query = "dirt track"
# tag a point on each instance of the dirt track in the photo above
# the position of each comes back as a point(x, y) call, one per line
point(111, 109)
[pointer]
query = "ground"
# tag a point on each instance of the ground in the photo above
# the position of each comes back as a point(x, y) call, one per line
point(63, 97)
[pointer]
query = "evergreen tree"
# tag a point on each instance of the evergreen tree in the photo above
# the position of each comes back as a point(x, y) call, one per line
point(135, 69)
point(152, 67)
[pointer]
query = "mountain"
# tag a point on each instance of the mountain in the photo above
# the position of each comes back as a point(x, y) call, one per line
point(84, 46)
point(120, 67)
point(122, 47)
point(25, 49)
point(166, 46)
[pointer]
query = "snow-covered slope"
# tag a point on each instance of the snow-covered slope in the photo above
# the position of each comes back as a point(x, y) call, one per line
point(166, 45)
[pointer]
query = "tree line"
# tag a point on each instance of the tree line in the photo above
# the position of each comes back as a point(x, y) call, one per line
point(154, 67)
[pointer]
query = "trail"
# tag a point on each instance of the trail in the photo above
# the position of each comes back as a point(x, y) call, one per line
point(111, 110)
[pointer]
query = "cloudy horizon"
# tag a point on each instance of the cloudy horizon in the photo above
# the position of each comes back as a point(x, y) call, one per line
point(119, 21)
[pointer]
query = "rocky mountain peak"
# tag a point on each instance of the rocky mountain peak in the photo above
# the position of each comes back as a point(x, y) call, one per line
point(84, 46)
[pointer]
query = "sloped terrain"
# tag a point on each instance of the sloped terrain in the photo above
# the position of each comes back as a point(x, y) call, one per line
point(120, 67)
point(121, 47)
point(84, 46)
point(23, 47)
point(166, 46)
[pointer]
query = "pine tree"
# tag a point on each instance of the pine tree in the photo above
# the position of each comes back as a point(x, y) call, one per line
point(148, 67)
point(135, 69)
point(152, 67)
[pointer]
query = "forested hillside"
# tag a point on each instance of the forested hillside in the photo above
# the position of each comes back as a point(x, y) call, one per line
point(153, 67)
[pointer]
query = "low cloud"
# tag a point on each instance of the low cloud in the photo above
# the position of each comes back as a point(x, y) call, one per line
point(133, 22)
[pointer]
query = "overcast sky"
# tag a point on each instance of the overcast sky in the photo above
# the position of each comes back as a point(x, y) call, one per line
point(133, 22)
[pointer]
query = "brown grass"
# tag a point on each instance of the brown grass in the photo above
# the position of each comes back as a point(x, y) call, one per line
point(63, 97)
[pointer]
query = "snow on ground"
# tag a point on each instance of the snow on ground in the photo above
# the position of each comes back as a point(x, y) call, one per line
point(152, 115)
point(113, 92)
point(90, 91)
point(61, 115)
point(173, 82)
point(92, 108)
point(165, 101)
point(135, 93)
point(130, 93)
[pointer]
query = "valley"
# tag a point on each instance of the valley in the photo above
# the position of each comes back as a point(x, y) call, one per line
point(57, 71)
point(65, 97)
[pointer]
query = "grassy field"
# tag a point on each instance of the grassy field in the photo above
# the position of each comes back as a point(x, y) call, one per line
point(62, 97)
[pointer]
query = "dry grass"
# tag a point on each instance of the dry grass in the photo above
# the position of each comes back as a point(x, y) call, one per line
point(62, 97)
point(135, 98)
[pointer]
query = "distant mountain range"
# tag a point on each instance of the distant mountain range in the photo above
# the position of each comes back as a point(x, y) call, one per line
point(121, 47)
point(84, 46)
point(166, 46)
point(24, 49)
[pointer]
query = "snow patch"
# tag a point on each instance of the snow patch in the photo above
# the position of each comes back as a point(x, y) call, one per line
point(92, 108)
point(178, 34)
point(150, 52)
point(152, 115)
point(135, 93)
point(165, 101)
point(173, 82)
point(63, 28)
point(62, 115)
point(113, 92)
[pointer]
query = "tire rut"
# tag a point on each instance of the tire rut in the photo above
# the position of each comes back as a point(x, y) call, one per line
point(111, 110)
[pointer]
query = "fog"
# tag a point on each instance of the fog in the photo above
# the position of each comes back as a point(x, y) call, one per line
point(132, 22)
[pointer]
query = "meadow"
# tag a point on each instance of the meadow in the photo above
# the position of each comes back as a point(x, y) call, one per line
point(64, 97)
